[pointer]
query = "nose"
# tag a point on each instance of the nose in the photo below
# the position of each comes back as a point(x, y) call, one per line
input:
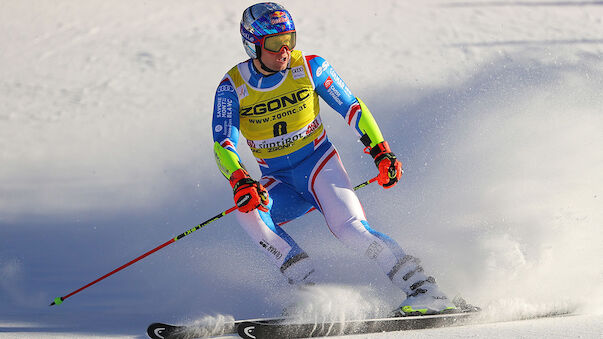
point(284, 49)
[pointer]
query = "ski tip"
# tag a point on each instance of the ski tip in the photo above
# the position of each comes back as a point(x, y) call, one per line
point(247, 329)
point(160, 330)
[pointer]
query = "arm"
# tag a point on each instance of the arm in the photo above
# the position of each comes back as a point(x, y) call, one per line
point(225, 125)
point(331, 88)
point(248, 193)
point(336, 94)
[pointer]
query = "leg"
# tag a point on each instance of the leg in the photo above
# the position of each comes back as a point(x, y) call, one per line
point(334, 195)
point(293, 262)
point(288, 203)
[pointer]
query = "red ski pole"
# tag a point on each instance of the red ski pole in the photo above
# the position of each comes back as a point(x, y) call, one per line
point(59, 300)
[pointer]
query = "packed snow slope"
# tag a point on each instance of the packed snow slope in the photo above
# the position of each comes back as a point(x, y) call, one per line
point(494, 108)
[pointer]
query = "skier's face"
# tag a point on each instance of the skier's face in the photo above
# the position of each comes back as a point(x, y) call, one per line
point(277, 61)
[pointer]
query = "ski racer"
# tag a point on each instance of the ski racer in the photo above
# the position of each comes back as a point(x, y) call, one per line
point(272, 100)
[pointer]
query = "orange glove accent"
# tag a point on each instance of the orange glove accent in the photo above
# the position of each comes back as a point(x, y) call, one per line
point(248, 193)
point(390, 169)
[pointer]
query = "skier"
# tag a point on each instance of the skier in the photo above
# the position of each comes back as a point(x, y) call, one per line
point(272, 100)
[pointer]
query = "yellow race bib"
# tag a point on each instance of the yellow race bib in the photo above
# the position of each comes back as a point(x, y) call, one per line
point(280, 120)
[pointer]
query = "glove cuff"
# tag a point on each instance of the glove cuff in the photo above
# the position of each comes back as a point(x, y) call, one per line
point(380, 151)
point(237, 176)
point(382, 147)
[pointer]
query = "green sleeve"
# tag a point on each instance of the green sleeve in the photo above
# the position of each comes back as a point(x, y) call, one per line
point(371, 134)
point(228, 161)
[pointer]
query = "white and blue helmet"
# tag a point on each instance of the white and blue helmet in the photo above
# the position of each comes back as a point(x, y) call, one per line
point(263, 19)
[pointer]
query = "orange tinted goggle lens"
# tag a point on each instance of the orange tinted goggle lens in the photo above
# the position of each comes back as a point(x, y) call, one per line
point(274, 43)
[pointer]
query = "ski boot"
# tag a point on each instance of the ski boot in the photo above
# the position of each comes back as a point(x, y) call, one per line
point(425, 299)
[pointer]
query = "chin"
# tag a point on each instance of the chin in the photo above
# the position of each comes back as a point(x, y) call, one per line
point(278, 67)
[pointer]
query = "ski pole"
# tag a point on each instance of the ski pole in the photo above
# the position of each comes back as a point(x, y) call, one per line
point(366, 183)
point(59, 300)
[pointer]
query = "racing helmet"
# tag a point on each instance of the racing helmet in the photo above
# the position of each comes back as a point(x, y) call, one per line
point(262, 21)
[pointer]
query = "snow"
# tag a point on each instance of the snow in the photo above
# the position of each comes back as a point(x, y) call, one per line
point(587, 326)
point(493, 107)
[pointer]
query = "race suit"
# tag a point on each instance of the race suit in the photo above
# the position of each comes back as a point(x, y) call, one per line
point(279, 117)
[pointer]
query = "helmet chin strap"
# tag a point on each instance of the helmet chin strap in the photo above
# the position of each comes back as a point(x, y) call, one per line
point(266, 68)
point(258, 52)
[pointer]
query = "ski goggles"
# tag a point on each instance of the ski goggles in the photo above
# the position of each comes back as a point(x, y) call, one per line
point(275, 42)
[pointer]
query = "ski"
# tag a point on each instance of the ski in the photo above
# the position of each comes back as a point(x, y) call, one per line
point(283, 329)
point(288, 329)
point(167, 331)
